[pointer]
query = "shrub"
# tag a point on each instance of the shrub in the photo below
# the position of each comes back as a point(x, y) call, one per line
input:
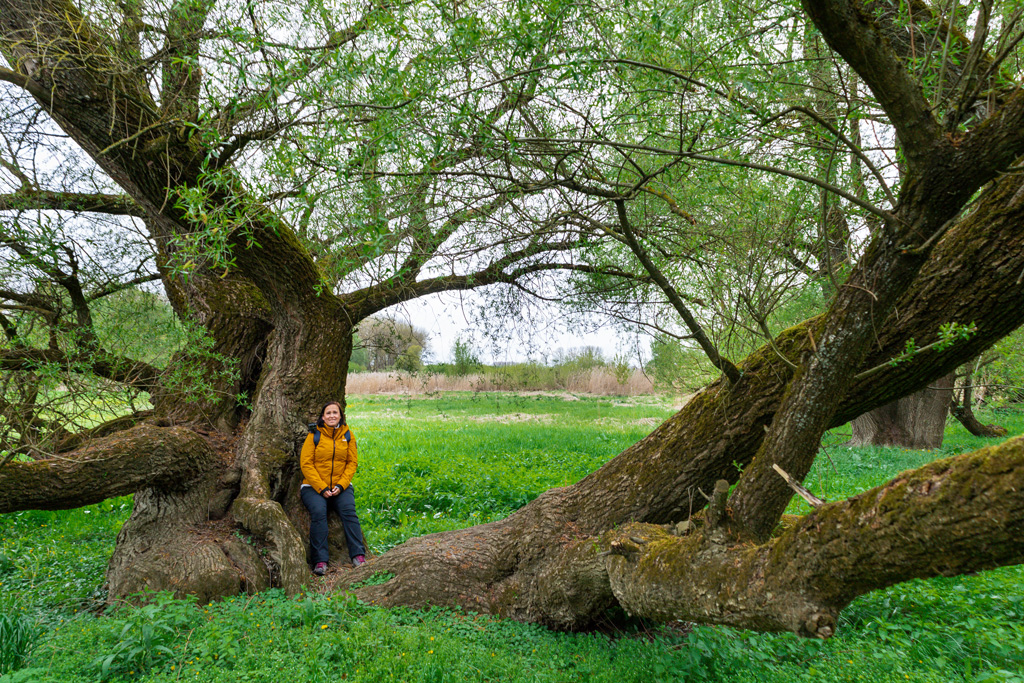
point(465, 359)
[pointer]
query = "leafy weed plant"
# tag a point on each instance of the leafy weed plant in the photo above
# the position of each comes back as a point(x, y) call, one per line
point(146, 635)
point(18, 636)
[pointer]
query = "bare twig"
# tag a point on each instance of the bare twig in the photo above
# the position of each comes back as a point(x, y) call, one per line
point(812, 499)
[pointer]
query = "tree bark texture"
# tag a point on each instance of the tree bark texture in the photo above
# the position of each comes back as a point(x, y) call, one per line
point(916, 421)
point(952, 516)
point(140, 457)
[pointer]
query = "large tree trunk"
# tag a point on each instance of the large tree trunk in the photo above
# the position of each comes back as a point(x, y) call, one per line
point(916, 421)
point(266, 313)
point(185, 540)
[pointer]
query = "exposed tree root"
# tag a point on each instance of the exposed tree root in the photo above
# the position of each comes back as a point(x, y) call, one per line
point(287, 551)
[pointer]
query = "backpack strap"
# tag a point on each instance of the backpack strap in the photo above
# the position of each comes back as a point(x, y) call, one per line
point(316, 434)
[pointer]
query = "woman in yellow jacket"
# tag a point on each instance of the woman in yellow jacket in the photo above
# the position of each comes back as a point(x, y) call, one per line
point(328, 464)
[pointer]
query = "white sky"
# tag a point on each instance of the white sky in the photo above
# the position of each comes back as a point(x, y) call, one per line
point(448, 317)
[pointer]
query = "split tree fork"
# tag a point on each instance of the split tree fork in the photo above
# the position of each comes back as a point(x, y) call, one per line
point(574, 551)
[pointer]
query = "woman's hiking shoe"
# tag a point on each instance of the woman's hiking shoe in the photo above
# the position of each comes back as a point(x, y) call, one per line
point(359, 560)
point(320, 569)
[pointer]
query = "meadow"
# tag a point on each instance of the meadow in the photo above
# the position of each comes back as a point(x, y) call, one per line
point(447, 461)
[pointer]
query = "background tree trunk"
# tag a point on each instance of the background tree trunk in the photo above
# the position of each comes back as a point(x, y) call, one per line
point(915, 421)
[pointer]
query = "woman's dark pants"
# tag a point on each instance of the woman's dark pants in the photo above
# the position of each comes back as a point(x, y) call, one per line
point(344, 504)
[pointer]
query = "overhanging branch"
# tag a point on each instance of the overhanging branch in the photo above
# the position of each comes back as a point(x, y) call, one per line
point(376, 298)
point(141, 457)
point(25, 82)
point(138, 374)
point(42, 200)
point(724, 364)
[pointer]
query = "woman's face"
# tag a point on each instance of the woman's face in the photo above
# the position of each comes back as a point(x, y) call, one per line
point(332, 415)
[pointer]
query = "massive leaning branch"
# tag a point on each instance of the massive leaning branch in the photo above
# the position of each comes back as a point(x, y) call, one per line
point(942, 174)
point(953, 516)
point(117, 465)
point(972, 277)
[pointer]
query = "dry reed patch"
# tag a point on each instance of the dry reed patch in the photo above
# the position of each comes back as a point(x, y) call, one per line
point(604, 382)
point(597, 381)
point(414, 385)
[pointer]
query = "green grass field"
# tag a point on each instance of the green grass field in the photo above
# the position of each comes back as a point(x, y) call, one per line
point(433, 464)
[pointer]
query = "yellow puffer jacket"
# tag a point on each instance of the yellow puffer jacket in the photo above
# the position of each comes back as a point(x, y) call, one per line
point(330, 463)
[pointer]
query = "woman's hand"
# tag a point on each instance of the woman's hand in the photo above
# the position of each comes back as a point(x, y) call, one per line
point(333, 492)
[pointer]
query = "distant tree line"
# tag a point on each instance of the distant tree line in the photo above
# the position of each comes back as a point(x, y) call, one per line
point(385, 343)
